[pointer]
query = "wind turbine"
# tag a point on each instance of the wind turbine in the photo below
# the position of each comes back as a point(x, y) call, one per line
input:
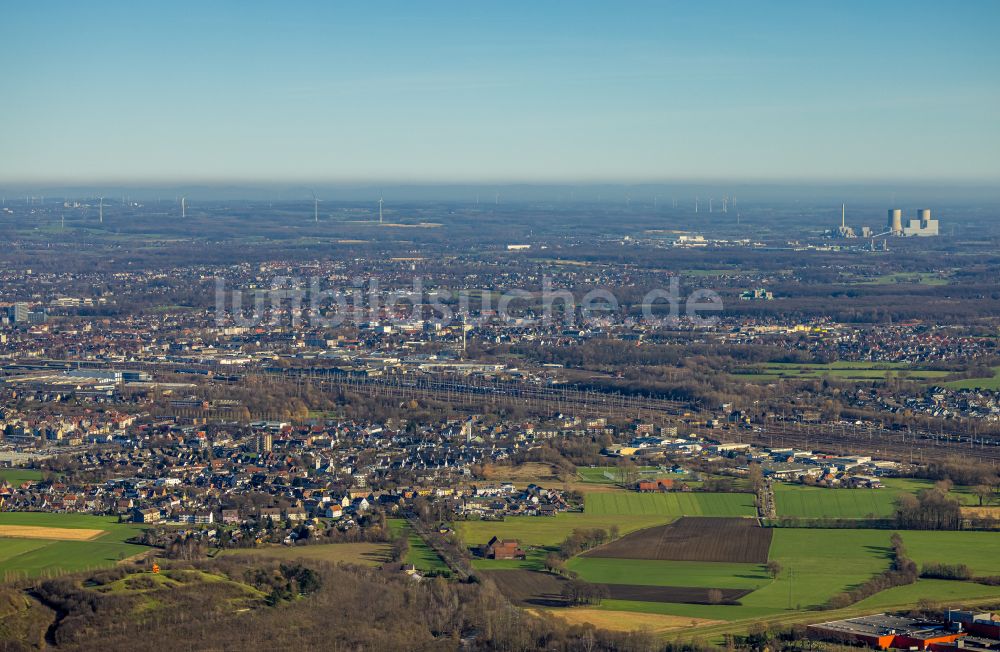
point(316, 201)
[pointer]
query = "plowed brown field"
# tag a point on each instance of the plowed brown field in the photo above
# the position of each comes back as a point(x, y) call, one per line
point(739, 540)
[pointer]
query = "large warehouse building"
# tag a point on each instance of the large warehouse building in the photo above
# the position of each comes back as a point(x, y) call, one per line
point(883, 631)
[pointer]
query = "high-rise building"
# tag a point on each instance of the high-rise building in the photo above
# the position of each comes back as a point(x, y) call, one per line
point(264, 442)
point(19, 313)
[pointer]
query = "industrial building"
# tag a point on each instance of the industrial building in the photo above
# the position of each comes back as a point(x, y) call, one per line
point(981, 623)
point(922, 226)
point(895, 223)
point(845, 231)
point(883, 631)
point(110, 375)
point(758, 294)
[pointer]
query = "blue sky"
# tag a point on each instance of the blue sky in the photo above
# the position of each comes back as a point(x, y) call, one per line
point(503, 91)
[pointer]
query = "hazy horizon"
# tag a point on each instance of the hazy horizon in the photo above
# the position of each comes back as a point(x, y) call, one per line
point(452, 93)
point(888, 193)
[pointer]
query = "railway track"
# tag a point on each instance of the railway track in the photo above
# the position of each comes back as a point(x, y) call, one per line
point(904, 445)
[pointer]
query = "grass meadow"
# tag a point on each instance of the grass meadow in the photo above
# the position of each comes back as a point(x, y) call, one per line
point(34, 557)
point(670, 504)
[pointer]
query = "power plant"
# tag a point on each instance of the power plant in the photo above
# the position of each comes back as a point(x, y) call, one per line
point(921, 226)
point(845, 231)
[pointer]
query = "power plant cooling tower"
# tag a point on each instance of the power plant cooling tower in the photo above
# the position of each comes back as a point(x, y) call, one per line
point(895, 223)
point(924, 215)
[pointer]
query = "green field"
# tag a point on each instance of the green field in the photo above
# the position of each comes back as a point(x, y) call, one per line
point(419, 553)
point(715, 272)
point(978, 383)
point(938, 591)
point(918, 278)
point(550, 530)
point(595, 474)
point(814, 502)
point(33, 557)
point(980, 551)
point(795, 500)
point(534, 560)
point(670, 573)
point(844, 370)
point(669, 504)
point(366, 554)
point(17, 476)
point(817, 564)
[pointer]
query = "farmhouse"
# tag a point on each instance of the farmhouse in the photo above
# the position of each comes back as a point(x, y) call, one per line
point(504, 549)
point(883, 631)
point(660, 484)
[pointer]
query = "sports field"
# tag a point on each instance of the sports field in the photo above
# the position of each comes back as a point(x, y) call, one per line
point(599, 474)
point(670, 504)
point(33, 544)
